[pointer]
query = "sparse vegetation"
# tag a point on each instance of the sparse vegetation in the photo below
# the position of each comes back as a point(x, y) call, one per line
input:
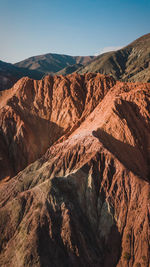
point(39, 205)
point(127, 256)
point(3, 217)
point(144, 258)
point(128, 236)
point(138, 264)
point(124, 64)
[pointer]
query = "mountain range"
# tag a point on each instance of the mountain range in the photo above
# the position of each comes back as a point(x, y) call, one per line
point(75, 163)
point(131, 63)
point(75, 172)
point(52, 63)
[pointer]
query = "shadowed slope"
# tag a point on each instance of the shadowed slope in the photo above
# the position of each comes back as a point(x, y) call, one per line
point(69, 69)
point(86, 201)
point(10, 74)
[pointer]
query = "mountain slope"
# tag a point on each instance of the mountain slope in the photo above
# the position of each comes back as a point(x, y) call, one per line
point(68, 70)
point(85, 202)
point(131, 63)
point(34, 112)
point(52, 63)
point(9, 74)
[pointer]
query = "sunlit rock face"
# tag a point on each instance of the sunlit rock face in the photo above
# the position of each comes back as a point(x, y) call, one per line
point(83, 198)
point(35, 114)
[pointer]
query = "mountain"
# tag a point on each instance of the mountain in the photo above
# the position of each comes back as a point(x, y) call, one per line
point(131, 63)
point(37, 67)
point(69, 69)
point(10, 74)
point(83, 199)
point(52, 63)
point(34, 112)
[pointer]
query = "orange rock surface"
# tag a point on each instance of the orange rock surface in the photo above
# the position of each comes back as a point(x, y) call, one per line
point(34, 114)
point(85, 199)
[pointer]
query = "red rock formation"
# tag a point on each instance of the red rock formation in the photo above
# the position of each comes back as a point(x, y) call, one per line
point(86, 201)
point(34, 114)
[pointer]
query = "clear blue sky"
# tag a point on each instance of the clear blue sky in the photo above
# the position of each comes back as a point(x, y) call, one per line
point(81, 27)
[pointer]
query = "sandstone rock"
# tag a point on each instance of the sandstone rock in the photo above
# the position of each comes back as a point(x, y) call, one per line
point(85, 202)
point(34, 114)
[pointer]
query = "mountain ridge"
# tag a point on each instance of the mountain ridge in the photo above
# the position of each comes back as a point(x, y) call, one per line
point(10, 74)
point(83, 198)
point(131, 63)
point(52, 63)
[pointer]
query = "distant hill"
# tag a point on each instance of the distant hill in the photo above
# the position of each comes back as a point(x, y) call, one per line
point(9, 74)
point(69, 69)
point(52, 63)
point(131, 63)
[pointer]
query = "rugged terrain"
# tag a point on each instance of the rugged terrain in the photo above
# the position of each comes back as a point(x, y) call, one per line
point(52, 63)
point(69, 69)
point(34, 114)
point(131, 63)
point(38, 66)
point(84, 197)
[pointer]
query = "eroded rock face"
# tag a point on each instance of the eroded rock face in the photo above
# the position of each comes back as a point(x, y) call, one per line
point(34, 114)
point(85, 202)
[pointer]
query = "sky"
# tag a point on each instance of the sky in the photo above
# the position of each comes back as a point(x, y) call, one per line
point(82, 27)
